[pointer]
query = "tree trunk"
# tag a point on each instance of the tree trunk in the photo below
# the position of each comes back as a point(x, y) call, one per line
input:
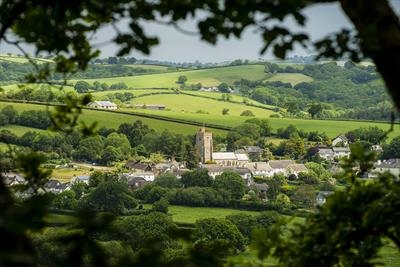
point(379, 30)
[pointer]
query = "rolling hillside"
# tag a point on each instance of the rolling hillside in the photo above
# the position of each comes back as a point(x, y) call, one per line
point(207, 77)
point(113, 120)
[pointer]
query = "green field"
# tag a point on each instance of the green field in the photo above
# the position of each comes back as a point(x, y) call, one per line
point(293, 78)
point(136, 92)
point(21, 130)
point(331, 127)
point(185, 214)
point(192, 104)
point(234, 97)
point(207, 77)
point(108, 119)
point(157, 68)
point(37, 86)
point(113, 120)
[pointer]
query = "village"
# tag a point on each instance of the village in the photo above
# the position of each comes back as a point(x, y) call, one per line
point(253, 173)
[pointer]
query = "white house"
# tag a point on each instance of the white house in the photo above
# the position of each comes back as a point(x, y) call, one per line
point(340, 140)
point(148, 176)
point(103, 105)
point(260, 169)
point(390, 165)
point(341, 152)
point(326, 153)
point(280, 166)
point(80, 178)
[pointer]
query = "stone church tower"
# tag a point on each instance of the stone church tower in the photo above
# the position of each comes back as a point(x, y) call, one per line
point(204, 145)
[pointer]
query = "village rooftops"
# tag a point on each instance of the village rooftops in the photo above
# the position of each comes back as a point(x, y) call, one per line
point(297, 168)
point(224, 156)
point(389, 164)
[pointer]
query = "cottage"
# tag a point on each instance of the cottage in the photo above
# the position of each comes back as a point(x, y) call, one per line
point(80, 178)
point(215, 170)
point(341, 152)
point(296, 169)
point(390, 165)
point(340, 140)
point(280, 166)
point(326, 153)
point(138, 166)
point(148, 176)
point(103, 105)
point(260, 169)
point(11, 179)
point(136, 182)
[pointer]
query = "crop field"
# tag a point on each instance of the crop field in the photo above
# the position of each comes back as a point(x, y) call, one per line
point(21, 59)
point(192, 104)
point(207, 77)
point(293, 78)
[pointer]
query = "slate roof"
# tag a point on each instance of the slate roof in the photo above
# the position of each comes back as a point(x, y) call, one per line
point(280, 164)
point(298, 167)
point(224, 156)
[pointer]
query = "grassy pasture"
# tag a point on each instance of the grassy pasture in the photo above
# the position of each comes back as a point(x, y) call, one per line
point(185, 214)
point(158, 68)
point(113, 120)
point(192, 104)
point(234, 97)
point(330, 127)
point(207, 77)
point(293, 78)
point(21, 130)
point(37, 86)
point(136, 92)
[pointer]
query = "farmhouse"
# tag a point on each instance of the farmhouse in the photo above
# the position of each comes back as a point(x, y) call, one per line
point(102, 105)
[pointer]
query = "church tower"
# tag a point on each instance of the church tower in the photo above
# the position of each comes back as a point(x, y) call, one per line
point(204, 145)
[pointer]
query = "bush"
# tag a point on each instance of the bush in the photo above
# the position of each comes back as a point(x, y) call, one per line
point(161, 205)
point(247, 113)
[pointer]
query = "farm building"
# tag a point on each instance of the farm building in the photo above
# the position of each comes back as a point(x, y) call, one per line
point(103, 105)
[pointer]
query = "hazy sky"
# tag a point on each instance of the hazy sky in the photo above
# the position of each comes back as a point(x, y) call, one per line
point(176, 46)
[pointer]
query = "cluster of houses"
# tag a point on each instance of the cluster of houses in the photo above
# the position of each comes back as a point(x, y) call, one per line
point(218, 162)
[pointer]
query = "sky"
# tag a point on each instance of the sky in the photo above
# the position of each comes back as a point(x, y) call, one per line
point(179, 47)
